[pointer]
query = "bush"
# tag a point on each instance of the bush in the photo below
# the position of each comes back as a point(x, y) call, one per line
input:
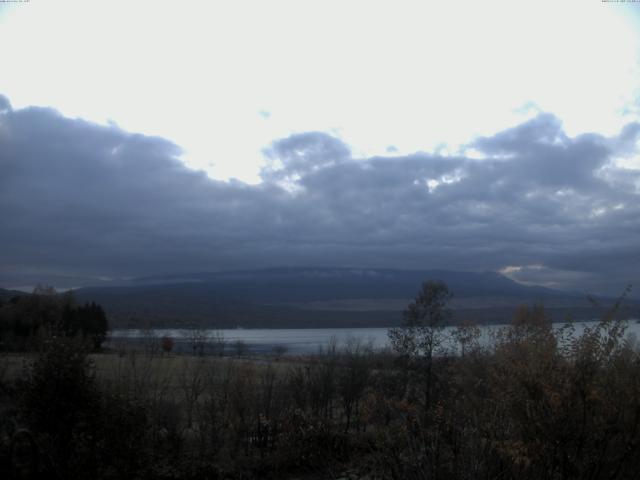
point(58, 400)
point(167, 344)
point(81, 431)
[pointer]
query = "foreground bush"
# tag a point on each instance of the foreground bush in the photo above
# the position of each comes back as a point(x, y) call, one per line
point(535, 403)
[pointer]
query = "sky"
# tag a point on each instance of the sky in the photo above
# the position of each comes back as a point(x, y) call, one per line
point(149, 137)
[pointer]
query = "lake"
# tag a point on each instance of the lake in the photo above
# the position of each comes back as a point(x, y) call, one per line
point(290, 340)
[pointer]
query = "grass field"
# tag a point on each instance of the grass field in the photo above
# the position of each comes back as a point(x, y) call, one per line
point(539, 403)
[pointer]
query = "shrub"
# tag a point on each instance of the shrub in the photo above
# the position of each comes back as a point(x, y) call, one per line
point(58, 399)
point(167, 344)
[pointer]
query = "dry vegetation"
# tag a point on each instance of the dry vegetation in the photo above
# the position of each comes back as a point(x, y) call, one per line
point(535, 403)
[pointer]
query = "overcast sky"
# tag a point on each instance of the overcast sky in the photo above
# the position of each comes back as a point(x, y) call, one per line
point(147, 137)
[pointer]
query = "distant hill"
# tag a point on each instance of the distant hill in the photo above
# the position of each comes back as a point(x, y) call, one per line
point(8, 294)
point(287, 285)
point(317, 297)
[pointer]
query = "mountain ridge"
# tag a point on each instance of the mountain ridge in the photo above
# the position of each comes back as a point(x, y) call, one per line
point(298, 297)
point(400, 283)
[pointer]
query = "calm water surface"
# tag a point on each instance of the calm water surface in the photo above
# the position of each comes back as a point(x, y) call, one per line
point(297, 340)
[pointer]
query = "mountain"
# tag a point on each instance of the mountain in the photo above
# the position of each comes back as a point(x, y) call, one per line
point(316, 297)
point(286, 285)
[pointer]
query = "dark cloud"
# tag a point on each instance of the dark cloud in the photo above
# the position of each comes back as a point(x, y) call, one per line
point(81, 201)
point(301, 154)
point(5, 105)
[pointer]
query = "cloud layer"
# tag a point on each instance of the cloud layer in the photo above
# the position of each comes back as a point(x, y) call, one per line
point(81, 201)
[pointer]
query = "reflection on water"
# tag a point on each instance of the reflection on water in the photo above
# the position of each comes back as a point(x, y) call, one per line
point(302, 340)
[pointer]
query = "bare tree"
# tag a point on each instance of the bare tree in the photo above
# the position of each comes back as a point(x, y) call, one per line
point(240, 347)
point(422, 333)
point(354, 377)
point(466, 334)
point(199, 339)
point(217, 343)
point(279, 350)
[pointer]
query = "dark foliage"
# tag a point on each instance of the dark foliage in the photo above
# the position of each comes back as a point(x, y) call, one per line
point(536, 402)
point(77, 430)
point(27, 320)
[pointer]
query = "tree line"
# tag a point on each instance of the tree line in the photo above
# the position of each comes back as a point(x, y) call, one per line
point(27, 320)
